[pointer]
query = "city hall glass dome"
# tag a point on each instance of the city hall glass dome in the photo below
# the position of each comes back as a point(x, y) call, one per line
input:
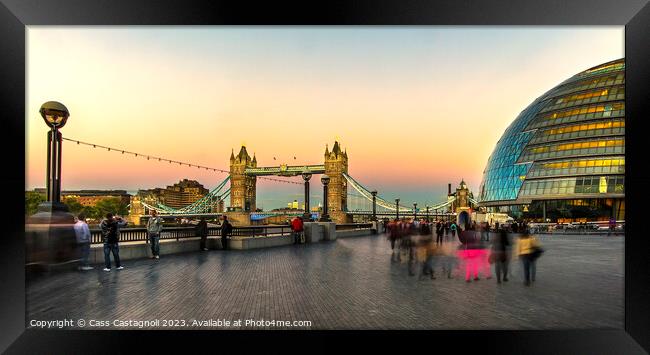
point(567, 148)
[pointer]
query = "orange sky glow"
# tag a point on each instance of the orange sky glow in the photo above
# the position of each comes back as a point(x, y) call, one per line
point(415, 108)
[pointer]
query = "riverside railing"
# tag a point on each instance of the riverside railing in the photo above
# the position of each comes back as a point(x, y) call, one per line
point(139, 234)
point(353, 226)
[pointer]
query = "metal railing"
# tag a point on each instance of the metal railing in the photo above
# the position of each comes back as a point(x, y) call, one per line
point(568, 228)
point(353, 226)
point(140, 234)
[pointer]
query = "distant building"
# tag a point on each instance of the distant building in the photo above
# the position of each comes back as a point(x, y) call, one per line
point(179, 195)
point(293, 205)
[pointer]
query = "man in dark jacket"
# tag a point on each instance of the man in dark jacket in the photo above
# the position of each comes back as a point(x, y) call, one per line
point(111, 236)
point(226, 230)
point(202, 232)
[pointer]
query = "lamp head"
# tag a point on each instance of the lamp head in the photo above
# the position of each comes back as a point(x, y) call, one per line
point(325, 179)
point(55, 114)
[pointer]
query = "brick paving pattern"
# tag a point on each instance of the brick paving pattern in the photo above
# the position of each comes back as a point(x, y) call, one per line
point(347, 284)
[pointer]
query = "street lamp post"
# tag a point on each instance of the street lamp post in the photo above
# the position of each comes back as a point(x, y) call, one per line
point(49, 234)
point(325, 180)
point(374, 205)
point(415, 211)
point(397, 207)
point(307, 215)
point(427, 213)
point(55, 116)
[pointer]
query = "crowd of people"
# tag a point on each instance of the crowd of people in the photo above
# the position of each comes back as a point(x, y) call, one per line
point(466, 249)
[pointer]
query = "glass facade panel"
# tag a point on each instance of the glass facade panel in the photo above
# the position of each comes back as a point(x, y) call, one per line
point(574, 185)
point(577, 167)
point(561, 150)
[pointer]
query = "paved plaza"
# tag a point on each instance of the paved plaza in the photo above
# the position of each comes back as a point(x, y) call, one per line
point(347, 284)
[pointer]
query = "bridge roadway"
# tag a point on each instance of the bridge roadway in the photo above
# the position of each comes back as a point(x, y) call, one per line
point(347, 284)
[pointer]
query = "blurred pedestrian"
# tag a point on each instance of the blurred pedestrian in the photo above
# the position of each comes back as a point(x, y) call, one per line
point(612, 226)
point(528, 250)
point(439, 231)
point(500, 255)
point(447, 225)
point(427, 252)
point(453, 228)
point(83, 239)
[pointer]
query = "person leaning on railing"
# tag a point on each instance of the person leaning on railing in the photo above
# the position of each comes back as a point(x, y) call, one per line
point(226, 230)
point(202, 232)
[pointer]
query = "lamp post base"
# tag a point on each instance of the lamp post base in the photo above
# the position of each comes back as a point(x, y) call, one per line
point(50, 238)
point(52, 207)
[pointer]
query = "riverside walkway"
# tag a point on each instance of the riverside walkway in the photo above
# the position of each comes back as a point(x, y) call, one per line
point(350, 283)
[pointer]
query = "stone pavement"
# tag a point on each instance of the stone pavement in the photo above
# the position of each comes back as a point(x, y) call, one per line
point(346, 284)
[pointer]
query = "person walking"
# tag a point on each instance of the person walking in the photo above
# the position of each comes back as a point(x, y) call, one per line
point(393, 236)
point(154, 227)
point(409, 244)
point(500, 255)
point(226, 230)
point(202, 232)
point(612, 226)
point(426, 254)
point(83, 239)
point(528, 250)
point(110, 227)
point(447, 226)
point(453, 228)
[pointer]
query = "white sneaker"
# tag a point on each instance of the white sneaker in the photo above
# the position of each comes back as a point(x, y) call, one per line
point(157, 257)
point(86, 268)
point(205, 249)
point(107, 269)
point(120, 268)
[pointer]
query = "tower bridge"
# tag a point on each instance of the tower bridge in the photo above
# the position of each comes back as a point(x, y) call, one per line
point(345, 196)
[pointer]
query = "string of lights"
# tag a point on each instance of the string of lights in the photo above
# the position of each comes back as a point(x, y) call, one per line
point(161, 159)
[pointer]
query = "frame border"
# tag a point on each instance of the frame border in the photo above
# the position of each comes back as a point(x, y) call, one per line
point(15, 15)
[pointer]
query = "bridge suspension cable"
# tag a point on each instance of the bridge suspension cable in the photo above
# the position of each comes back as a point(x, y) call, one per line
point(161, 159)
point(202, 205)
point(385, 204)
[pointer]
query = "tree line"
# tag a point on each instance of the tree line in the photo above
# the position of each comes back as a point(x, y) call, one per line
point(114, 205)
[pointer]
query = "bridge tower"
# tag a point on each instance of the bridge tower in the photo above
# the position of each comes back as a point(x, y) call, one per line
point(242, 186)
point(136, 210)
point(336, 163)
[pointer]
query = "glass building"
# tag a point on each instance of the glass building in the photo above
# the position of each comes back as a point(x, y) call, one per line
point(563, 157)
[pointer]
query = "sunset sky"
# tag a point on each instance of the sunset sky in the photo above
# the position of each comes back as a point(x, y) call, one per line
point(415, 107)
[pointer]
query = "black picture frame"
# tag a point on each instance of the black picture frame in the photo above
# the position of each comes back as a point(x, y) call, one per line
point(15, 15)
